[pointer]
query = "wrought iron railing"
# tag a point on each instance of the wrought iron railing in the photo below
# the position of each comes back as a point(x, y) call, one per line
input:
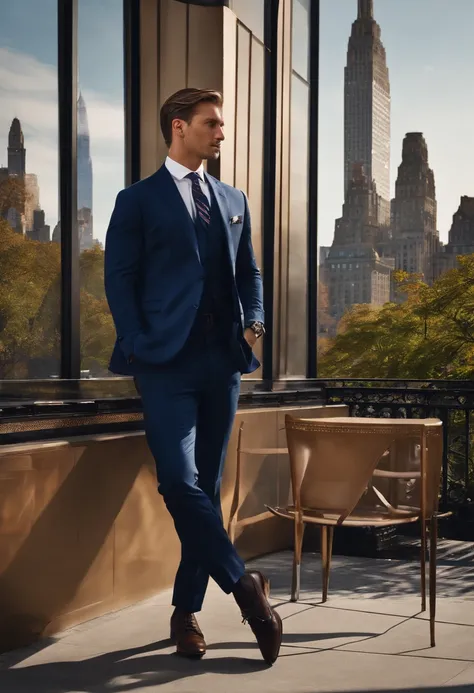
point(450, 401)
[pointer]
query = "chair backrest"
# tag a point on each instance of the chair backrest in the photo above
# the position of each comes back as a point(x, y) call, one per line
point(332, 460)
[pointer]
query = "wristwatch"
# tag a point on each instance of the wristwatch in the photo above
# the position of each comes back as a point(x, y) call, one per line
point(257, 328)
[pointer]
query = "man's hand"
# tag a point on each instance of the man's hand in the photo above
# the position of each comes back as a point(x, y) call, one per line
point(250, 337)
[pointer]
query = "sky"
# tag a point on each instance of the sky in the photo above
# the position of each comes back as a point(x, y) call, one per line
point(430, 56)
point(28, 91)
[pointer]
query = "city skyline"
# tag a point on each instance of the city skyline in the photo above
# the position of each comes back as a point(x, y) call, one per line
point(419, 72)
point(429, 69)
point(28, 91)
point(31, 220)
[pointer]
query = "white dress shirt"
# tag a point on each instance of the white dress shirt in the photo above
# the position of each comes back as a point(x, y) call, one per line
point(184, 185)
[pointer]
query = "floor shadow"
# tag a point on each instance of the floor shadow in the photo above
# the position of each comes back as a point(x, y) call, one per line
point(121, 671)
point(291, 638)
point(372, 578)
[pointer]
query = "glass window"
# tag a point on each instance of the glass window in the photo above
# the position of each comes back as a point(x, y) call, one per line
point(100, 166)
point(252, 14)
point(298, 229)
point(30, 260)
point(300, 37)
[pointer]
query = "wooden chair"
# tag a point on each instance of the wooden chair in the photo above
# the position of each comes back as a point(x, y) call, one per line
point(249, 449)
point(337, 466)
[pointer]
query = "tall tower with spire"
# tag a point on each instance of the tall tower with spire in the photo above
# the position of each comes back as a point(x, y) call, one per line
point(84, 176)
point(16, 150)
point(366, 9)
point(367, 106)
point(414, 210)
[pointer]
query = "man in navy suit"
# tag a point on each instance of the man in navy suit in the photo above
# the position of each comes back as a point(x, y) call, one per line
point(186, 298)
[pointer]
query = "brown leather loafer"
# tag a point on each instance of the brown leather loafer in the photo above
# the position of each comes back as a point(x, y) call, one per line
point(251, 594)
point(186, 635)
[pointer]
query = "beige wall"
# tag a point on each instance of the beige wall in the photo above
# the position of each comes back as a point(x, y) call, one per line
point(83, 530)
point(187, 45)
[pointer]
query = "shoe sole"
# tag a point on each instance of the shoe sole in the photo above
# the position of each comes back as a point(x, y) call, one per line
point(185, 655)
point(196, 655)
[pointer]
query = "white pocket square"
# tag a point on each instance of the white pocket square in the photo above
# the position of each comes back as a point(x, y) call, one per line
point(236, 220)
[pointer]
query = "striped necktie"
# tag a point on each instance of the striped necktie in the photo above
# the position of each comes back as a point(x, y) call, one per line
point(200, 200)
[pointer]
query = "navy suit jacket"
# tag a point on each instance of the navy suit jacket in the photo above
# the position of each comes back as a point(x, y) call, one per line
point(154, 278)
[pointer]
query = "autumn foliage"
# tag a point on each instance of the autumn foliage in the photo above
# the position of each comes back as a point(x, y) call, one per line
point(30, 304)
point(429, 335)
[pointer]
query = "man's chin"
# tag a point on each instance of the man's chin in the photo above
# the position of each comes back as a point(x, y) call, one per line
point(213, 154)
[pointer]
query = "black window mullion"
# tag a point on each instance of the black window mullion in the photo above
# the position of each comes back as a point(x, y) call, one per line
point(67, 94)
point(269, 173)
point(312, 266)
point(132, 90)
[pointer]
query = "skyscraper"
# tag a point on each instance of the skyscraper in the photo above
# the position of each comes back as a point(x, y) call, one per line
point(367, 106)
point(16, 150)
point(84, 177)
point(354, 271)
point(461, 238)
point(32, 197)
point(26, 204)
point(415, 237)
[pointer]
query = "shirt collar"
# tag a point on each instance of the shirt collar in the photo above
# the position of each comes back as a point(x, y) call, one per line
point(179, 171)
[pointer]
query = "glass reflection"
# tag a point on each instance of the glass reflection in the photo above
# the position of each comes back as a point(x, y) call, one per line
point(252, 14)
point(30, 262)
point(300, 37)
point(100, 166)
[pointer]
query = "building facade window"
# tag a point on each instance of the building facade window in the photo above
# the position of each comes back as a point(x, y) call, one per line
point(100, 166)
point(30, 257)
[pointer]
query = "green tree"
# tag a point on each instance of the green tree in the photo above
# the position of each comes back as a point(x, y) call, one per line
point(430, 335)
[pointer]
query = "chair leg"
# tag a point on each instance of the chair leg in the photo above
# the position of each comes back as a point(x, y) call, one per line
point(298, 546)
point(423, 564)
point(433, 550)
point(327, 535)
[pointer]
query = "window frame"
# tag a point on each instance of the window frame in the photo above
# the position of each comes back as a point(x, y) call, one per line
point(25, 398)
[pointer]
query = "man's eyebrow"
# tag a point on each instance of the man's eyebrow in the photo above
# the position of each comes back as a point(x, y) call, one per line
point(215, 120)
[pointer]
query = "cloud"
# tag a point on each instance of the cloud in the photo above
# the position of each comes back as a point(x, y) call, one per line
point(28, 91)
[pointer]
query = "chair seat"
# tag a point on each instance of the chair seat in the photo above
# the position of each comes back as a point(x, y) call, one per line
point(359, 518)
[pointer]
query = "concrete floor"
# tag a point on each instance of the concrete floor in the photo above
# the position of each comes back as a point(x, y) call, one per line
point(368, 637)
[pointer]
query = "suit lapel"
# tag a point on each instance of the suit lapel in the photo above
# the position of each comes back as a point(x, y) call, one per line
point(221, 200)
point(172, 200)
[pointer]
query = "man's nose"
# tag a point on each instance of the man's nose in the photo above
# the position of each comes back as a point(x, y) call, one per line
point(220, 135)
